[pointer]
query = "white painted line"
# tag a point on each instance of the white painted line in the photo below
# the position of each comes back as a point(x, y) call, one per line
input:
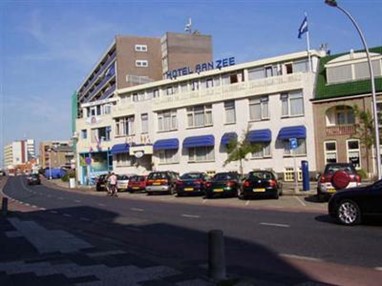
point(67, 215)
point(54, 212)
point(26, 204)
point(137, 209)
point(275, 224)
point(204, 201)
point(190, 216)
point(247, 203)
point(33, 206)
point(301, 201)
point(300, 257)
point(378, 268)
point(84, 219)
point(42, 209)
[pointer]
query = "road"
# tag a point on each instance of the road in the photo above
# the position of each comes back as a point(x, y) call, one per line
point(287, 241)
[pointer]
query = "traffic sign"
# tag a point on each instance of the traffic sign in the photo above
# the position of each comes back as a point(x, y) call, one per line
point(293, 143)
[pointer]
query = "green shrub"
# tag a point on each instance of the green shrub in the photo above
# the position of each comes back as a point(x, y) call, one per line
point(69, 174)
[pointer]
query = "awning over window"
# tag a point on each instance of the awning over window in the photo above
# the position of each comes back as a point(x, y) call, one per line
point(120, 148)
point(292, 132)
point(166, 144)
point(261, 135)
point(227, 137)
point(199, 141)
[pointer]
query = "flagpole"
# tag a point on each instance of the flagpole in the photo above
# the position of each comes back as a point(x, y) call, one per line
point(308, 43)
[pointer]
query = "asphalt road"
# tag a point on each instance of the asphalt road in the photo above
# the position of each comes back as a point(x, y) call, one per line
point(290, 239)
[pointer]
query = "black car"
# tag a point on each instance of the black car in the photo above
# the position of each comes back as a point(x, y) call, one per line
point(260, 184)
point(223, 184)
point(191, 183)
point(101, 182)
point(351, 206)
point(33, 179)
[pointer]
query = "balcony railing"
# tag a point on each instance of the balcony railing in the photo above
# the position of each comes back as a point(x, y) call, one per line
point(340, 130)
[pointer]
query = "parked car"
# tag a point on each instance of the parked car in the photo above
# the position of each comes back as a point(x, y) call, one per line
point(351, 206)
point(101, 182)
point(260, 184)
point(123, 182)
point(223, 184)
point(161, 181)
point(191, 183)
point(337, 176)
point(33, 179)
point(137, 183)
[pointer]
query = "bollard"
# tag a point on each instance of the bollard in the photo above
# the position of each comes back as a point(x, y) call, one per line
point(4, 206)
point(216, 255)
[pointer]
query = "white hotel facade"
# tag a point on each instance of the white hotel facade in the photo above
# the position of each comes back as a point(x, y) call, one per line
point(183, 124)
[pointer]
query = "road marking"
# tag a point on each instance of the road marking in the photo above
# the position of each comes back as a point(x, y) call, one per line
point(247, 203)
point(307, 258)
point(67, 215)
point(301, 201)
point(137, 209)
point(190, 216)
point(204, 201)
point(42, 209)
point(275, 224)
point(54, 212)
point(378, 268)
point(84, 219)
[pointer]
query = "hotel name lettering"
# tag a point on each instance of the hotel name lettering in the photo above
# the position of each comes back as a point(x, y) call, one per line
point(218, 64)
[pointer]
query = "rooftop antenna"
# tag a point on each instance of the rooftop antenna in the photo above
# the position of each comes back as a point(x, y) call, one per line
point(188, 28)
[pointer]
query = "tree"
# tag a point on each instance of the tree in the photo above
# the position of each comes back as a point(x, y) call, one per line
point(237, 150)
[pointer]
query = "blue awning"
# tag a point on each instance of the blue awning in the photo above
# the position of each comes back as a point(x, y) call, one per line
point(166, 144)
point(199, 141)
point(292, 132)
point(261, 135)
point(227, 137)
point(120, 148)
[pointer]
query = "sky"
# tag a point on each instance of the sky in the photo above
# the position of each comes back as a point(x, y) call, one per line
point(48, 47)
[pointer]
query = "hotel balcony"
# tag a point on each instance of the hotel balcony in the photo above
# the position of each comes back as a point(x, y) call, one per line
point(340, 130)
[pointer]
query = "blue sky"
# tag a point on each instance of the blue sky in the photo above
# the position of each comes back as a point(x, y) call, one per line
point(48, 47)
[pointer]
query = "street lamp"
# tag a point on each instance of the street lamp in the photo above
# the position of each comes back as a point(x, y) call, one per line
point(333, 3)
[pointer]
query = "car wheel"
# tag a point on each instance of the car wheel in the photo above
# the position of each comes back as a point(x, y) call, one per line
point(348, 213)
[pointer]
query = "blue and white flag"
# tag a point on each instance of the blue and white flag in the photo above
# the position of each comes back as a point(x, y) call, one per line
point(303, 28)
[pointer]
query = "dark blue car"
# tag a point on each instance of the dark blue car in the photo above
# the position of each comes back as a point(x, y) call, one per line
point(191, 183)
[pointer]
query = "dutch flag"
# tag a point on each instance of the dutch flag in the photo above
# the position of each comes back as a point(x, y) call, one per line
point(303, 28)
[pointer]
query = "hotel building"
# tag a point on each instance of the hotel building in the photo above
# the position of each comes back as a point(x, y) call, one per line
point(183, 123)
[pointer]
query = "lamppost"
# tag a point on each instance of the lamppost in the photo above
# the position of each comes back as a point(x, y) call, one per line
point(333, 3)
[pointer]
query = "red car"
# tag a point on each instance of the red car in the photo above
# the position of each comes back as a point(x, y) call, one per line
point(137, 183)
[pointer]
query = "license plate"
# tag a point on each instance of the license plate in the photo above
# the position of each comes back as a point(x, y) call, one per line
point(331, 190)
point(218, 190)
point(135, 188)
point(259, 190)
point(156, 184)
point(188, 189)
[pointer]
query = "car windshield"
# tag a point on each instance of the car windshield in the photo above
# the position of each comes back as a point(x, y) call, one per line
point(123, 177)
point(157, 176)
point(192, 176)
point(261, 175)
point(336, 167)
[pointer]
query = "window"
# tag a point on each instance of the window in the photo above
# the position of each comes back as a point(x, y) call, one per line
point(301, 66)
point(195, 85)
point(258, 108)
point(330, 152)
point(201, 154)
point(199, 116)
point(141, 63)
point(107, 109)
point(264, 152)
point(125, 160)
point(84, 134)
point(99, 135)
point(292, 104)
point(124, 126)
point(257, 73)
point(344, 115)
point(145, 122)
point(167, 120)
point(354, 153)
point(300, 150)
point(230, 114)
point(168, 156)
point(141, 48)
